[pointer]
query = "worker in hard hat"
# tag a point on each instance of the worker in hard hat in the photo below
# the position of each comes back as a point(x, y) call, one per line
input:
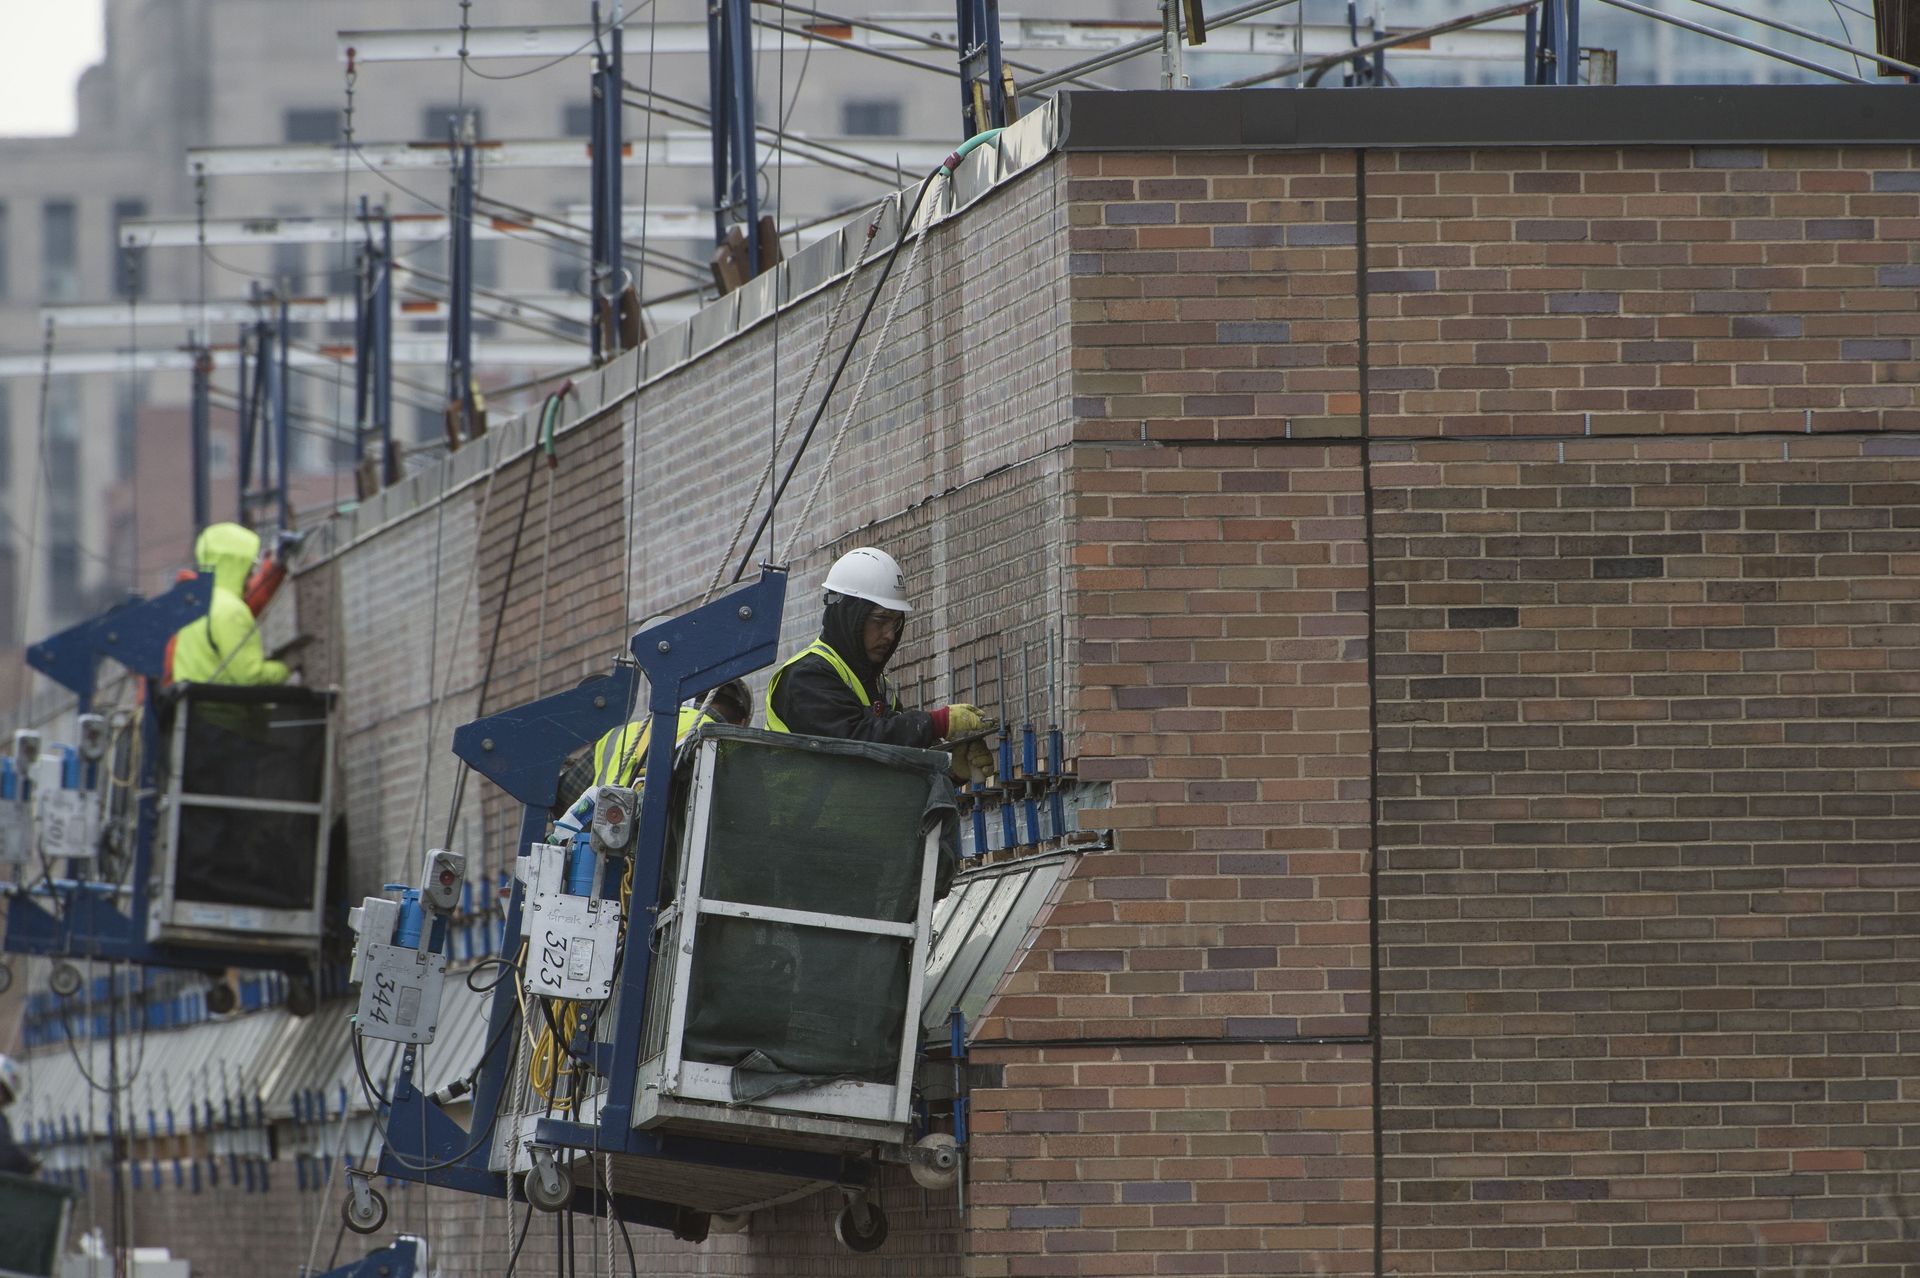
point(224, 646)
point(621, 756)
point(835, 686)
point(13, 1158)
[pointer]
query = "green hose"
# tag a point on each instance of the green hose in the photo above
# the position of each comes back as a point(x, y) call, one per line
point(965, 149)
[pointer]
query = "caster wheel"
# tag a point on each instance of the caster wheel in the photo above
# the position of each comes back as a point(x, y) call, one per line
point(548, 1187)
point(221, 999)
point(367, 1217)
point(861, 1227)
point(65, 980)
point(300, 997)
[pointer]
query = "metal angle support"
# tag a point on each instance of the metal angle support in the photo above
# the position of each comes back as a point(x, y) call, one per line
point(983, 97)
point(608, 286)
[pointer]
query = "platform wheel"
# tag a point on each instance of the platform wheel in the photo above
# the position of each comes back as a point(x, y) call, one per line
point(861, 1226)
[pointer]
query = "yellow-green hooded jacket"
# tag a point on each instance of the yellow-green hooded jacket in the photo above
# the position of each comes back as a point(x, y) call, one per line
point(224, 646)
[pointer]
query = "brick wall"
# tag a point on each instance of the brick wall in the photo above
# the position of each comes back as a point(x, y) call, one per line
point(1599, 661)
point(1649, 713)
point(1214, 963)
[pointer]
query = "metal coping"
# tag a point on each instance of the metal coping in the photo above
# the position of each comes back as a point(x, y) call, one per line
point(1516, 116)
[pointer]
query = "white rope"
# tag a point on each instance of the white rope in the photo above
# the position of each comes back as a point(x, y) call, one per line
point(606, 1180)
point(873, 358)
point(333, 1166)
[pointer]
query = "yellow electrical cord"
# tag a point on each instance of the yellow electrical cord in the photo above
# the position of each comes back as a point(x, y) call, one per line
point(543, 1071)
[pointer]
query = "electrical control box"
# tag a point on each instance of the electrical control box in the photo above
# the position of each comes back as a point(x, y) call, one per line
point(400, 992)
point(68, 820)
point(572, 941)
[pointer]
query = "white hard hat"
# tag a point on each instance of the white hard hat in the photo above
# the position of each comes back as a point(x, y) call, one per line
point(872, 575)
point(11, 1079)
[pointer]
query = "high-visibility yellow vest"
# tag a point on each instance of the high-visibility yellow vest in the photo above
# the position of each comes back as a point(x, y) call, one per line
point(628, 744)
point(821, 648)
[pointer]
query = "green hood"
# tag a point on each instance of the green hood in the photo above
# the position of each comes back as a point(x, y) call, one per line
point(227, 551)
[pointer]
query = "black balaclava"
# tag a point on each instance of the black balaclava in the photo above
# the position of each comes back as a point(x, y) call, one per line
point(843, 626)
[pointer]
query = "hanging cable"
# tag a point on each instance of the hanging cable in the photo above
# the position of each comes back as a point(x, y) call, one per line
point(131, 261)
point(859, 393)
point(41, 479)
point(793, 416)
point(346, 223)
point(500, 615)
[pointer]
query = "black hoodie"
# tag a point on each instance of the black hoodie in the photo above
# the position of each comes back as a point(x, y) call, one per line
point(812, 699)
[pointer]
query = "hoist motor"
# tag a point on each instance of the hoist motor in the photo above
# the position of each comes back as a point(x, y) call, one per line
point(399, 958)
point(572, 921)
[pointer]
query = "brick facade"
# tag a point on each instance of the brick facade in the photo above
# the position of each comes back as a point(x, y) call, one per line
point(1560, 690)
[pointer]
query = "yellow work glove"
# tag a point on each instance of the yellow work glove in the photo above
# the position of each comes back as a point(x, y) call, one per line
point(962, 719)
point(972, 764)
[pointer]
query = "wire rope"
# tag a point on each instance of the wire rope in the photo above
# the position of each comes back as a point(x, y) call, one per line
point(860, 387)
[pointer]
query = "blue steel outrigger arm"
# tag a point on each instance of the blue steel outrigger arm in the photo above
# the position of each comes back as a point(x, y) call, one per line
point(520, 750)
point(88, 924)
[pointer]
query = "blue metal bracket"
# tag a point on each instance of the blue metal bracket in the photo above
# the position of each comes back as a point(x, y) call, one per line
point(373, 343)
point(460, 388)
point(400, 1260)
point(520, 750)
point(609, 89)
point(1553, 42)
point(736, 174)
point(135, 634)
point(728, 638)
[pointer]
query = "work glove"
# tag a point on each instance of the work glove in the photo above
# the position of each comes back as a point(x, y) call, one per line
point(972, 764)
point(957, 720)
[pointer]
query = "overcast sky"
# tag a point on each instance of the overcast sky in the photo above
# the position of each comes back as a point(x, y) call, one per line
point(49, 43)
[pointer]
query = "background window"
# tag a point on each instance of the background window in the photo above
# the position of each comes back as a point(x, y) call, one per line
point(313, 124)
point(870, 118)
point(576, 120)
point(60, 250)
